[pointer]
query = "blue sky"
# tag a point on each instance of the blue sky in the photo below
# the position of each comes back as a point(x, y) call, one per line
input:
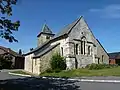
point(102, 16)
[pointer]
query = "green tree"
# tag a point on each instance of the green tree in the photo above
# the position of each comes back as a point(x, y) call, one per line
point(58, 62)
point(6, 25)
point(5, 62)
point(20, 51)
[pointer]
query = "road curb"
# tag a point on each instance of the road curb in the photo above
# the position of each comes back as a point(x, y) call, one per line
point(19, 74)
point(71, 79)
point(85, 80)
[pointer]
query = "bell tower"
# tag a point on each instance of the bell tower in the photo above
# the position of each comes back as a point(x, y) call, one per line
point(45, 35)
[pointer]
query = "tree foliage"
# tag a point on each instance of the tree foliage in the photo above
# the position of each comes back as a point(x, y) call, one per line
point(20, 52)
point(6, 62)
point(6, 25)
point(57, 62)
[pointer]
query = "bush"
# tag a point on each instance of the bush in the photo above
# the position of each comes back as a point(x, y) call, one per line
point(49, 70)
point(94, 66)
point(57, 70)
point(5, 63)
point(58, 62)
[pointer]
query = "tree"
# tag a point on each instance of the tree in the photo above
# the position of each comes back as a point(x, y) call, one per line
point(7, 26)
point(31, 49)
point(20, 51)
point(57, 62)
point(6, 62)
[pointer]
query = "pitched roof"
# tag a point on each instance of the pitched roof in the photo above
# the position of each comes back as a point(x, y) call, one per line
point(38, 48)
point(45, 50)
point(114, 55)
point(8, 50)
point(45, 30)
point(68, 28)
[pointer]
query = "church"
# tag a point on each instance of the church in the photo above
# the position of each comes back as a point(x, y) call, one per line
point(75, 42)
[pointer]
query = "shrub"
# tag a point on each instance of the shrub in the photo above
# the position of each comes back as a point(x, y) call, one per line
point(57, 70)
point(49, 70)
point(5, 62)
point(57, 62)
point(94, 66)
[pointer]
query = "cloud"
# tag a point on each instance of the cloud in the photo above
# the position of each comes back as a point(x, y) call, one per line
point(110, 11)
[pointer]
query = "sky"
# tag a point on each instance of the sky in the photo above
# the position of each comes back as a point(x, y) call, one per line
point(102, 16)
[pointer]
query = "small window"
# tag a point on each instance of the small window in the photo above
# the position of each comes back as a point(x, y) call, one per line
point(89, 50)
point(77, 49)
point(84, 47)
point(35, 61)
point(81, 47)
point(102, 58)
point(62, 51)
point(47, 37)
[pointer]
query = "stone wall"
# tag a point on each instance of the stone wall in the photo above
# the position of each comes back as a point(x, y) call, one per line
point(36, 66)
point(43, 38)
point(82, 30)
point(29, 63)
point(100, 53)
point(45, 59)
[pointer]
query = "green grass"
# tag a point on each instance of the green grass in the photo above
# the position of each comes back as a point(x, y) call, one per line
point(20, 72)
point(85, 72)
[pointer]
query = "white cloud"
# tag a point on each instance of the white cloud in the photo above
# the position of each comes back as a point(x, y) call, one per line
point(110, 11)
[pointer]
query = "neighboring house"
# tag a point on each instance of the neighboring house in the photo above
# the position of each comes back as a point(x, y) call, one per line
point(114, 58)
point(18, 60)
point(76, 43)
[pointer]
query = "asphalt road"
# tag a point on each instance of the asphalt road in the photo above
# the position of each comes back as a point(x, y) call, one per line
point(5, 76)
point(9, 82)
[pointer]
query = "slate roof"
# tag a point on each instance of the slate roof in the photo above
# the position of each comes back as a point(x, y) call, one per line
point(37, 48)
point(68, 28)
point(45, 30)
point(8, 50)
point(45, 50)
point(114, 55)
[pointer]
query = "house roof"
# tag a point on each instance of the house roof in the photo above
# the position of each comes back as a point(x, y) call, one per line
point(8, 50)
point(114, 55)
point(45, 50)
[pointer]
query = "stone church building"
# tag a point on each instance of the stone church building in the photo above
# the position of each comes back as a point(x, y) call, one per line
point(76, 43)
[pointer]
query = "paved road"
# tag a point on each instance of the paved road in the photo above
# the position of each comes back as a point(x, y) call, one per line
point(5, 76)
point(9, 82)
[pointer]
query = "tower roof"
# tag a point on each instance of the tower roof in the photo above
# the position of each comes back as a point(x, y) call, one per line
point(46, 30)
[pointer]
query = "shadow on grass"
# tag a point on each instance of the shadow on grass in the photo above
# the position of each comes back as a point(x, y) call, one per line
point(38, 84)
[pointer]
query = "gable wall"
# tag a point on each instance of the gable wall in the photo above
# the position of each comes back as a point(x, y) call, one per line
point(80, 30)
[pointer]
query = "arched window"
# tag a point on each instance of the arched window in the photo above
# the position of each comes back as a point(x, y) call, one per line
point(102, 58)
point(89, 50)
point(62, 51)
point(76, 49)
point(83, 47)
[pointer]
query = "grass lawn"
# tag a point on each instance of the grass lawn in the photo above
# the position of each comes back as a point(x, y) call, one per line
point(85, 72)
